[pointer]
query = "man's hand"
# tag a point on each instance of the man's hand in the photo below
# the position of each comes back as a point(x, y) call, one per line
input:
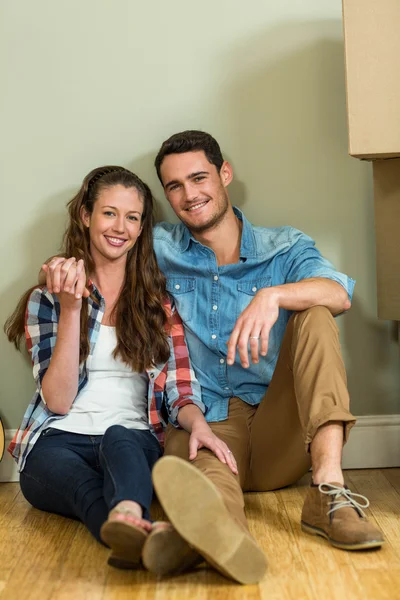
point(203, 437)
point(64, 275)
point(256, 322)
point(254, 326)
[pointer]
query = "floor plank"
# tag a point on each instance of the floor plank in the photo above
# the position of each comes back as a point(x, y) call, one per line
point(393, 476)
point(47, 557)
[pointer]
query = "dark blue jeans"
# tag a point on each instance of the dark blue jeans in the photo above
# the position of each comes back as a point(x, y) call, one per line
point(85, 476)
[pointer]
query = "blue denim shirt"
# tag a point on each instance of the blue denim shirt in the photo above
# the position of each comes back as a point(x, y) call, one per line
point(210, 298)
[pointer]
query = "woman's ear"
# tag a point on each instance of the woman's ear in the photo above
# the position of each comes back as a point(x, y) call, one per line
point(85, 216)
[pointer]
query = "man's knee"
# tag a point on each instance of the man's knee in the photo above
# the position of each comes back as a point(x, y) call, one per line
point(315, 318)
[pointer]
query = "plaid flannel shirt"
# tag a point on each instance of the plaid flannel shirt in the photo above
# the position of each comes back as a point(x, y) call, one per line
point(171, 385)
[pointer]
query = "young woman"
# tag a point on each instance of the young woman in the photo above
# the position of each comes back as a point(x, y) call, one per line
point(110, 364)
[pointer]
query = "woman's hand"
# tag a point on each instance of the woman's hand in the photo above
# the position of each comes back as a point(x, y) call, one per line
point(203, 437)
point(192, 420)
point(67, 279)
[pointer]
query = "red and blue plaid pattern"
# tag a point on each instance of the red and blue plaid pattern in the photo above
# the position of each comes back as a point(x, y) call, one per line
point(171, 385)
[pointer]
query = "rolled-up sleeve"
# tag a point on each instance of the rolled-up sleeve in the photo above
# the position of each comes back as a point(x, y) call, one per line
point(304, 261)
point(41, 321)
point(181, 386)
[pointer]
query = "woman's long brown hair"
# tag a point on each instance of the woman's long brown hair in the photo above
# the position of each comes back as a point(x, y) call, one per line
point(140, 318)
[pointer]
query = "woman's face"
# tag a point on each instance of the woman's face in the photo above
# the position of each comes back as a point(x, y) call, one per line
point(115, 223)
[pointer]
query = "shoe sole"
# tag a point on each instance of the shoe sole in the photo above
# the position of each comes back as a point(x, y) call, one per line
point(342, 545)
point(126, 543)
point(165, 552)
point(197, 511)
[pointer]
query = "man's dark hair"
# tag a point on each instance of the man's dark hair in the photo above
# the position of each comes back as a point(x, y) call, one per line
point(190, 141)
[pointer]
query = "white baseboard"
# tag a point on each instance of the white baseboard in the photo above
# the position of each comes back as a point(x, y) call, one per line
point(374, 443)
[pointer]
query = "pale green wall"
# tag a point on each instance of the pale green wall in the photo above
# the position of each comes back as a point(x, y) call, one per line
point(89, 82)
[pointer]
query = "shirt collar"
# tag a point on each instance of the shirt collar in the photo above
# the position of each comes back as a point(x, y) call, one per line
point(247, 244)
point(186, 238)
point(94, 292)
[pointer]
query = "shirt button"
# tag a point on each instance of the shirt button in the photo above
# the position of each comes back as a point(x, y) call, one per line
point(215, 277)
point(213, 337)
point(215, 307)
point(221, 360)
point(227, 388)
point(254, 289)
point(177, 287)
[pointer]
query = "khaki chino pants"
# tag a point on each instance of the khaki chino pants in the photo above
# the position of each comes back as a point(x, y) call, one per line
point(270, 442)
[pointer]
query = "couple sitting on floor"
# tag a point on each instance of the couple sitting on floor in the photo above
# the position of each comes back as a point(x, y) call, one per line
point(262, 398)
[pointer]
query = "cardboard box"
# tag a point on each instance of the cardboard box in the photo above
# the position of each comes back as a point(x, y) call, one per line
point(372, 61)
point(387, 228)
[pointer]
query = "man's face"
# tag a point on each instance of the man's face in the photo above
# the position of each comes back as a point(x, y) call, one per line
point(195, 189)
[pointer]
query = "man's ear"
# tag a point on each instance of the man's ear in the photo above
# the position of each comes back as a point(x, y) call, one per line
point(226, 173)
point(85, 216)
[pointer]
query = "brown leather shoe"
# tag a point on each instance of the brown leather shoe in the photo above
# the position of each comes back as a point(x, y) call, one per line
point(197, 512)
point(335, 513)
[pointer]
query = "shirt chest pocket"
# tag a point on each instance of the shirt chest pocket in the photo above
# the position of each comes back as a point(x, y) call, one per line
point(183, 291)
point(246, 290)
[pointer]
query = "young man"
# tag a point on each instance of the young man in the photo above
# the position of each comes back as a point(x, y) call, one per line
point(258, 307)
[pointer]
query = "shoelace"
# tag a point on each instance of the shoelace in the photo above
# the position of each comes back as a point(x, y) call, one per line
point(348, 500)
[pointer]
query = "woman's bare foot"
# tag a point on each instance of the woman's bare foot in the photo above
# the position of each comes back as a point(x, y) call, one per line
point(130, 512)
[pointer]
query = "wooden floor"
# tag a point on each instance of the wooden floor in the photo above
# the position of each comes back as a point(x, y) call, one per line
point(43, 556)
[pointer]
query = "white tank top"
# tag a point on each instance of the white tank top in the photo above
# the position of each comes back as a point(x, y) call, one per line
point(113, 395)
